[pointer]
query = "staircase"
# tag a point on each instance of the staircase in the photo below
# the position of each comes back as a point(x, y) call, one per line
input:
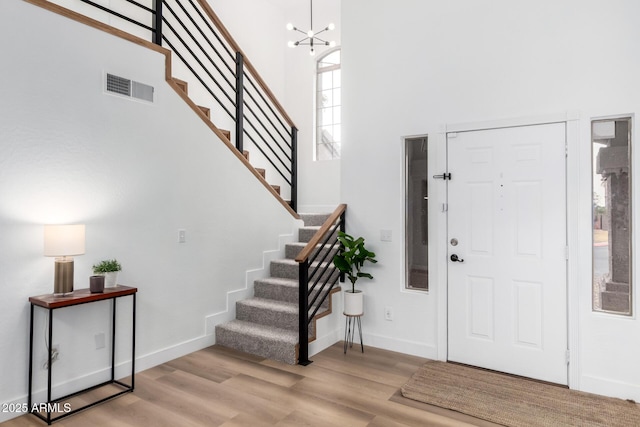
point(267, 324)
point(183, 86)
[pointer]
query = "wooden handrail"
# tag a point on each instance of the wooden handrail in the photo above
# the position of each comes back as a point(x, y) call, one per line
point(315, 240)
point(247, 64)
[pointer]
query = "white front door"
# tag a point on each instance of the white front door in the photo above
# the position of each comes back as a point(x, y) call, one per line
point(507, 293)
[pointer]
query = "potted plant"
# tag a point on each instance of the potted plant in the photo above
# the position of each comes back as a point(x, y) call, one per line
point(350, 262)
point(108, 268)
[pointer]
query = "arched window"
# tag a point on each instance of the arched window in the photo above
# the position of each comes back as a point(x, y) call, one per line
point(328, 107)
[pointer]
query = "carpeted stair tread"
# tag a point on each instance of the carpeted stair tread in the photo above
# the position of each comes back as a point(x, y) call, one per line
point(269, 304)
point(279, 314)
point(262, 331)
point(292, 250)
point(276, 288)
point(267, 324)
point(314, 219)
point(279, 289)
point(306, 233)
point(266, 341)
point(288, 268)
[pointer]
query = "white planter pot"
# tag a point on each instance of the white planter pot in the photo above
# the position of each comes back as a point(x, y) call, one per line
point(353, 303)
point(110, 279)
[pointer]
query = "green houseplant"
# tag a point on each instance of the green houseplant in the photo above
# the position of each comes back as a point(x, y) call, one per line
point(350, 261)
point(108, 268)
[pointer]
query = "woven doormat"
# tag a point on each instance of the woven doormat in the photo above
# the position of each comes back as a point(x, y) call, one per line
point(513, 401)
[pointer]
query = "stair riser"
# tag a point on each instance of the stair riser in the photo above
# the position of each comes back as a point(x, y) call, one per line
point(306, 234)
point(280, 292)
point(270, 349)
point(292, 271)
point(314, 219)
point(267, 317)
point(284, 270)
point(292, 251)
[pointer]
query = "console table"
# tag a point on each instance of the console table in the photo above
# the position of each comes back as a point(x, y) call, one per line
point(77, 297)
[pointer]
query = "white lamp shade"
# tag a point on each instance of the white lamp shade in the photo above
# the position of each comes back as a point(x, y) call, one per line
point(64, 240)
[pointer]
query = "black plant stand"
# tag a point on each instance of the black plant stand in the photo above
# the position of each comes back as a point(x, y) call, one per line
point(350, 323)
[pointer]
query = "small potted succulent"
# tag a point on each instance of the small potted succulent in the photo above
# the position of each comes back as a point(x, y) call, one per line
point(108, 268)
point(350, 262)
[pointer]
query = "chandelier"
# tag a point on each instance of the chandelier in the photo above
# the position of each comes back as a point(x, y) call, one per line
point(311, 38)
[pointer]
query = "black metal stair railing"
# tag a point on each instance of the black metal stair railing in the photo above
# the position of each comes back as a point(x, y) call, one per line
point(318, 276)
point(206, 50)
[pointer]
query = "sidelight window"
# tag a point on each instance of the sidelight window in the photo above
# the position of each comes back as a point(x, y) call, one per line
point(417, 200)
point(612, 271)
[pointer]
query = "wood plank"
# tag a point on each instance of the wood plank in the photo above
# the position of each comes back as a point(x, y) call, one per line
point(287, 397)
point(220, 386)
point(183, 85)
point(206, 111)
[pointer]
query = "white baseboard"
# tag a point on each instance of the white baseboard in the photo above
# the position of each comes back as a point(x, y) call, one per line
point(122, 370)
point(612, 388)
point(413, 348)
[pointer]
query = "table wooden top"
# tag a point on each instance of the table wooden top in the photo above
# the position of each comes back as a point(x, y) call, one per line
point(81, 296)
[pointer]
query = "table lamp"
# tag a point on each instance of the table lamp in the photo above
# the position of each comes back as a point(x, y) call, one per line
point(63, 242)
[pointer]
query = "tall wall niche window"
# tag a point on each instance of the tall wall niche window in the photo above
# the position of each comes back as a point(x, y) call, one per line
point(417, 221)
point(612, 272)
point(328, 107)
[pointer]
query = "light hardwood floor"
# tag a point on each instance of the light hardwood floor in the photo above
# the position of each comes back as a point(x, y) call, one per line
point(221, 387)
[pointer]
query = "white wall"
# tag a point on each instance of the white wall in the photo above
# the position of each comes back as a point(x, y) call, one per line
point(411, 67)
point(134, 173)
point(319, 181)
point(259, 28)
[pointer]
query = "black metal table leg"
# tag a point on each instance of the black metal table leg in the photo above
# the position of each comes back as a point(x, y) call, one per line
point(49, 366)
point(30, 399)
point(133, 343)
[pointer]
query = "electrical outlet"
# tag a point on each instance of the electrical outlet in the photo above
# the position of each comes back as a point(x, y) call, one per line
point(182, 235)
point(388, 313)
point(386, 235)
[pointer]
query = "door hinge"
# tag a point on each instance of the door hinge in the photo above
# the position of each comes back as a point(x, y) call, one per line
point(445, 207)
point(566, 252)
point(567, 356)
point(445, 176)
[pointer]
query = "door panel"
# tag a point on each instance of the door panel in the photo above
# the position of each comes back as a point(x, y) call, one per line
point(507, 211)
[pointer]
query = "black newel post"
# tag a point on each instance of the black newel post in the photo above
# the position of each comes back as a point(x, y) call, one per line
point(157, 22)
point(239, 101)
point(303, 315)
point(343, 228)
point(294, 168)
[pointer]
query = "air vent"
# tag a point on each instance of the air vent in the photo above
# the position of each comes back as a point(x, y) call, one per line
point(126, 87)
